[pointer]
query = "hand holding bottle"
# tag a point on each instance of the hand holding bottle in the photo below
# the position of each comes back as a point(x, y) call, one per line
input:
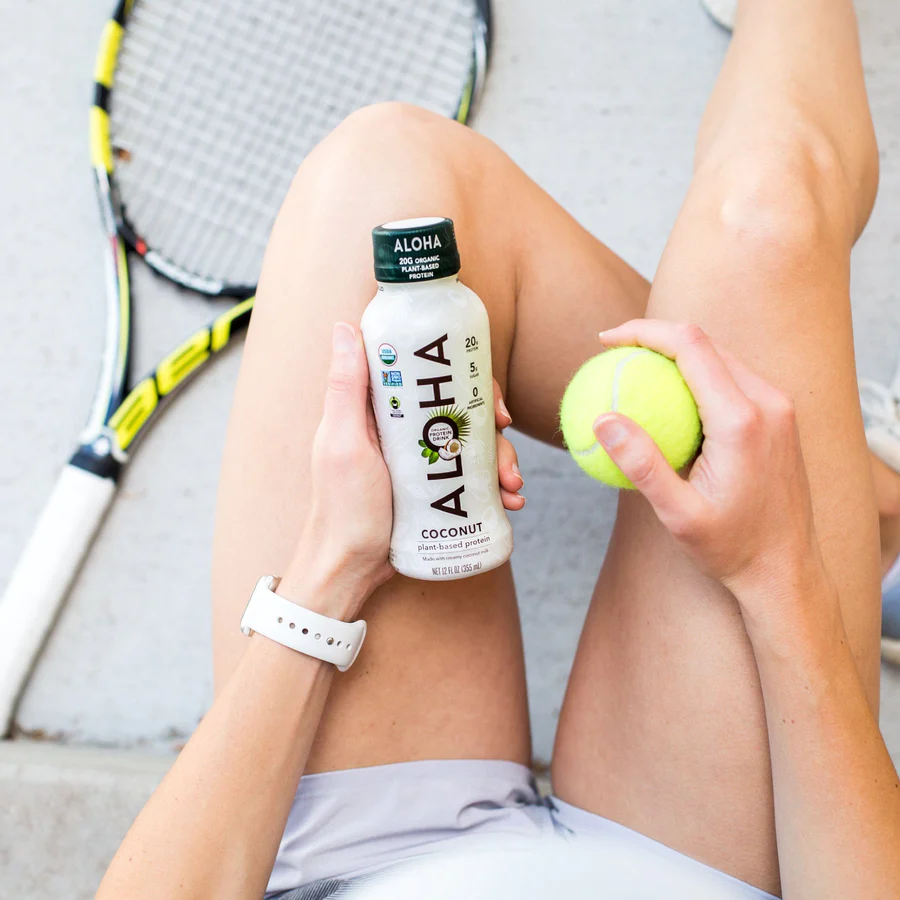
point(348, 529)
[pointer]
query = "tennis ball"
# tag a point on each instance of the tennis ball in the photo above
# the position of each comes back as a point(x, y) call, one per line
point(642, 385)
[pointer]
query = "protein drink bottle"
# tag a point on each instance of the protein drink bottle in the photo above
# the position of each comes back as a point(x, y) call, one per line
point(428, 345)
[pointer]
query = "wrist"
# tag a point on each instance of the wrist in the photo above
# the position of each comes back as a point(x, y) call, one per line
point(325, 585)
point(330, 577)
point(318, 627)
point(788, 607)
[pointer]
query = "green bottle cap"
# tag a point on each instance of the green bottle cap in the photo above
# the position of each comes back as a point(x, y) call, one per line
point(414, 250)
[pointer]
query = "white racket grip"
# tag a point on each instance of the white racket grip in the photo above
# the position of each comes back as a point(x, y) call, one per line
point(43, 575)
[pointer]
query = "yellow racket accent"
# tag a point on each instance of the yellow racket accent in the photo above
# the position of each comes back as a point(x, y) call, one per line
point(124, 305)
point(101, 154)
point(175, 367)
point(466, 101)
point(221, 328)
point(135, 410)
point(107, 53)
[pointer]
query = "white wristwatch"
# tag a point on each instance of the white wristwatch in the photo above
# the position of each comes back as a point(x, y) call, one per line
point(301, 629)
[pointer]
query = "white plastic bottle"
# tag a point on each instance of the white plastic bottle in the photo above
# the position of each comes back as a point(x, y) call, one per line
point(428, 345)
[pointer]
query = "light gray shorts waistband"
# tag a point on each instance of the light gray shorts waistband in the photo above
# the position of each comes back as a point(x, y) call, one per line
point(345, 824)
point(354, 825)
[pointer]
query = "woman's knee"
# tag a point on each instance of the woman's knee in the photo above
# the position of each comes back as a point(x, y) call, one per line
point(392, 152)
point(381, 125)
point(779, 202)
point(387, 162)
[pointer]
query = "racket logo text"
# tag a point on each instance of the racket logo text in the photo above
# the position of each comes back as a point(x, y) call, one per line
point(172, 371)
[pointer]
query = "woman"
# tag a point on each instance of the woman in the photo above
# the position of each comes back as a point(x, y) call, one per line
point(722, 701)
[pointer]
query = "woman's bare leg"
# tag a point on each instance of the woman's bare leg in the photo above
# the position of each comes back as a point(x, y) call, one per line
point(441, 674)
point(663, 727)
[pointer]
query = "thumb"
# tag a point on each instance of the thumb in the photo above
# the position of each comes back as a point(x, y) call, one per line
point(642, 462)
point(347, 393)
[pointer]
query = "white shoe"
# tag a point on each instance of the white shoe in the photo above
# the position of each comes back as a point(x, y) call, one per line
point(722, 12)
point(881, 414)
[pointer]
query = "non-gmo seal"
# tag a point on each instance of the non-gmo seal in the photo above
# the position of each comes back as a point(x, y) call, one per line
point(387, 354)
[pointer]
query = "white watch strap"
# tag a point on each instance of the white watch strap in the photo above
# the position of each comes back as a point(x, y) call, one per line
point(301, 629)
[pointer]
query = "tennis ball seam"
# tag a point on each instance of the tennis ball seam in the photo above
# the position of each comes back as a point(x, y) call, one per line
point(614, 399)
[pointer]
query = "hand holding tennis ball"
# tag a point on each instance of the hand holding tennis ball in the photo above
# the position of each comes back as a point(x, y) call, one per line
point(638, 383)
point(744, 513)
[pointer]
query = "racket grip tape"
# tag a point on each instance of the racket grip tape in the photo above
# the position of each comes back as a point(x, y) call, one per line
point(43, 575)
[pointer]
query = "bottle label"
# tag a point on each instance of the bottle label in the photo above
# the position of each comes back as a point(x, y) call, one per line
point(429, 354)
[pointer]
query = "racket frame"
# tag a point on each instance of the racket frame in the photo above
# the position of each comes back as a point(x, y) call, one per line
point(116, 418)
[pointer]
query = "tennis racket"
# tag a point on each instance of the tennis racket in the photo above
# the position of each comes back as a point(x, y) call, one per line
point(202, 112)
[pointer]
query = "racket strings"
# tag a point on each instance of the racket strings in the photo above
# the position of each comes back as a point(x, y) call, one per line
point(215, 106)
point(260, 184)
point(197, 169)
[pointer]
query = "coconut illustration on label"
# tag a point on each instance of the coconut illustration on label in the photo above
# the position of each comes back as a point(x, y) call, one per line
point(444, 434)
point(451, 449)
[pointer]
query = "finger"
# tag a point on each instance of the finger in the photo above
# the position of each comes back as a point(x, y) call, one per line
point(508, 465)
point(642, 462)
point(719, 399)
point(512, 502)
point(347, 391)
point(501, 413)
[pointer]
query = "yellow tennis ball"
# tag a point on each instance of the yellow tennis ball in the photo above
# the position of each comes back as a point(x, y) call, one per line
point(642, 385)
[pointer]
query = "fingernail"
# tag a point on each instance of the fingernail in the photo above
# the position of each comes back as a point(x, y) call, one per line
point(344, 346)
point(610, 432)
point(517, 473)
point(504, 410)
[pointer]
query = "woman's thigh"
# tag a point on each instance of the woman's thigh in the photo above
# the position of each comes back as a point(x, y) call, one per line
point(442, 673)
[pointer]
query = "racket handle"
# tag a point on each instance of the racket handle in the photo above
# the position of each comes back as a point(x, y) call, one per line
point(43, 575)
